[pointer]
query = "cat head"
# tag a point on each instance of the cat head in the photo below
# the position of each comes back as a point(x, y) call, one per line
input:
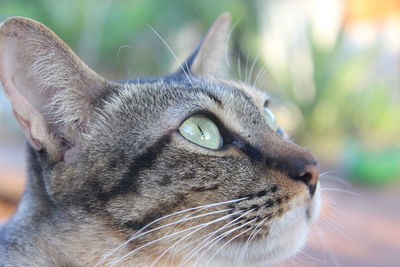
point(190, 163)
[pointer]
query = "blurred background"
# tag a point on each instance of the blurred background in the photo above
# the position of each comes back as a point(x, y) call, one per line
point(331, 66)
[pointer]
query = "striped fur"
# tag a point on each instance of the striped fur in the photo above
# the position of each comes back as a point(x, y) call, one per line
point(113, 183)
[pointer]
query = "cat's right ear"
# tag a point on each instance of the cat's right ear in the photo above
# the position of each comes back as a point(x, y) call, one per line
point(51, 90)
point(209, 57)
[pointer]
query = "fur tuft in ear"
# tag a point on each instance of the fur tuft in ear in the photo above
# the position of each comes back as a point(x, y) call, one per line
point(208, 59)
point(51, 90)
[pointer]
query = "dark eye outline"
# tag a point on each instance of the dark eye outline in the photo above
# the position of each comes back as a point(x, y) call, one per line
point(229, 138)
point(280, 131)
point(212, 118)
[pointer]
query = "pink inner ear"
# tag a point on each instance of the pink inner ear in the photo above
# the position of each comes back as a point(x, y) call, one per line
point(21, 91)
point(30, 119)
point(18, 74)
point(26, 126)
point(50, 88)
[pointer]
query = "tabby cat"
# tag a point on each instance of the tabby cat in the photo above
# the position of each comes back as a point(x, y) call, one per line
point(188, 169)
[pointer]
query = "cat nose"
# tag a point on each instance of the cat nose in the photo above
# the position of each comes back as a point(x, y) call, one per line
point(296, 163)
point(306, 172)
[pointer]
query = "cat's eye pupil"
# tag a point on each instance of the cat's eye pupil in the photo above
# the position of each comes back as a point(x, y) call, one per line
point(201, 130)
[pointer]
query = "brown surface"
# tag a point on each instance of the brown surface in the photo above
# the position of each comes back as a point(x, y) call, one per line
point(12, 183)
point(11, 187)
point(12, 177)
point(6, 209)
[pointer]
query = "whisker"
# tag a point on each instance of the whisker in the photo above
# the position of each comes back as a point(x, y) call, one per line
point(253, 66)
point(327, 251)
point(197, 249)
point(164, 237)
point(312, 258)
point(293, 262)
point(300, 258)
point(249, 239)
point(141, 50)
point(331, 224)
point(239, 66)
point(230, 240)
point(173, 229)
point(138, 233)
point(247, 68)
point(323, 239)
point(336, 179)
point(234, 25)
point(326, 173)
point(177, 222)
point(341, 191)
point(253, 234)
point(122, 47)
point(152, 242)
point(327, 220)
point(190, 209)
point(259, 75)
point(188, 235)
point(215, 240)
point(172, 52)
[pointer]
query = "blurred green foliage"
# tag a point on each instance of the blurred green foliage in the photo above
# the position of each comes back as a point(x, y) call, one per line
point(372, 167)
point(351, 101)
point(113, 36)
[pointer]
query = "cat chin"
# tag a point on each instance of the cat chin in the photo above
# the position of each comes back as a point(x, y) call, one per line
point(287, 236)
point(315, 205)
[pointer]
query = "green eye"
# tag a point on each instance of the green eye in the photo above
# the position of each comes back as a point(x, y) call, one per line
point(202, 131)
point(270, 118)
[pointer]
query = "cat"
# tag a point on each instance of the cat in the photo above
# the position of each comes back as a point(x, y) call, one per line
point(189, 169)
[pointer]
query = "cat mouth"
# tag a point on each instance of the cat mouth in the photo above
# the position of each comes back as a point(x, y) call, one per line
point(313, 209)
point(270, 240)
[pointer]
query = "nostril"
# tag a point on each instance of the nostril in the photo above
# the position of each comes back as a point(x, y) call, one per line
point(306, 177)
point(309, 176)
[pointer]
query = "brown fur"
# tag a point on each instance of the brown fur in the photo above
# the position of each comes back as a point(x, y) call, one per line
point(106, 159)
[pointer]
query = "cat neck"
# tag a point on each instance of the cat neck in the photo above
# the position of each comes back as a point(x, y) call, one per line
point(44, 234)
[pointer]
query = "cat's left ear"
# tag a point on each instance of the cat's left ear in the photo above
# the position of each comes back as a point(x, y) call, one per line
point(209, 57)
